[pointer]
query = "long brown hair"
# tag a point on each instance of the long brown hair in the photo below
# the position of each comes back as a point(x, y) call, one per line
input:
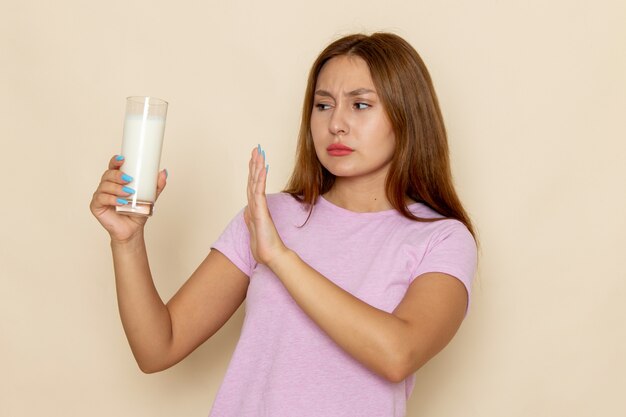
point(420, 168)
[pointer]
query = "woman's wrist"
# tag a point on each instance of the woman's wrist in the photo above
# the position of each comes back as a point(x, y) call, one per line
point(281, 261)
point(133, 241)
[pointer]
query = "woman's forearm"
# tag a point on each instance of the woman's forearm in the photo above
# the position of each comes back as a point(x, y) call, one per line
point(145, 318)
point(372, 336)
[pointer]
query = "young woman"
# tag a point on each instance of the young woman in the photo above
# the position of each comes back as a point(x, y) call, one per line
point(354, 277)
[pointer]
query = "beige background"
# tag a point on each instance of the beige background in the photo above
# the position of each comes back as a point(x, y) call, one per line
point(534, 97)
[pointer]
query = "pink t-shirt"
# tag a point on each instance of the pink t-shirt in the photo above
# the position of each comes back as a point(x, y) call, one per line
point(284, 365)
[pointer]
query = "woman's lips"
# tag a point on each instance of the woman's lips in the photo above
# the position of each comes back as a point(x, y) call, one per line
point(337, 149)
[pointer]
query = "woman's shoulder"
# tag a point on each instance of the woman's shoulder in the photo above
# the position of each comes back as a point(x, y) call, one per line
point(441, 226)
point(424, 211)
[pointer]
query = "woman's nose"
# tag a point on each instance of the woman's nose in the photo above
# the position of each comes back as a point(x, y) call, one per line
point(338, 122)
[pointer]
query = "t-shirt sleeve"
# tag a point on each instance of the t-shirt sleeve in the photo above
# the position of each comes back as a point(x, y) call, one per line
point(234, 243)
point(452, 250)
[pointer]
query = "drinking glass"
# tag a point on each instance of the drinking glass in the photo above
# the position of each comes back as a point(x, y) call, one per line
point(144, 125)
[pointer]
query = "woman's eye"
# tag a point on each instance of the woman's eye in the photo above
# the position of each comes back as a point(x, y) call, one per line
point(361, 106)
point(322, 106)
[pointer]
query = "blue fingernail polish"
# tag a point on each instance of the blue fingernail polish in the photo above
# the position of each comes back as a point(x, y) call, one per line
point(119, 158)
point(127, 178)
point(166, 173)
point(263, 155)
point(267, 168)
point(122, 201)
point(128, 190)
point(258, 149)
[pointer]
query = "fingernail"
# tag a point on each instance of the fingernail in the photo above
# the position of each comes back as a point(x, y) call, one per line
point(166, 173)
point(128, 190)
point(258, 149)
point(267, 168)
point(127, 178)
point(263, 155)
point(119, 158)
point(122, 201)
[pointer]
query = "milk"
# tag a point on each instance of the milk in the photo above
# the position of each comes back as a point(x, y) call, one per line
point(141, 148)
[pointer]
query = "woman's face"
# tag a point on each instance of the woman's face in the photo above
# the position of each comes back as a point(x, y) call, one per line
point(352, 134)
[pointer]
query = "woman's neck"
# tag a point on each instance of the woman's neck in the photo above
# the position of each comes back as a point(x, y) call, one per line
point(358, 196)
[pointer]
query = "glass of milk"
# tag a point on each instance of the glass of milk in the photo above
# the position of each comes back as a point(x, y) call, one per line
point(144, 125)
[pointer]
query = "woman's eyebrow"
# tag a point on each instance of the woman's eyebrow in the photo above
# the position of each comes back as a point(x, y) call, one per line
point(361, 91)
point(357, 92)
point(323, 93)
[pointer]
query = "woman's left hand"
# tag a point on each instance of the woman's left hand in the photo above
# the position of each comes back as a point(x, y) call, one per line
point(265, 243)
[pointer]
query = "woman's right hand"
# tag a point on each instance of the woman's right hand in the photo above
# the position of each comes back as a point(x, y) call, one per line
point(112, 192)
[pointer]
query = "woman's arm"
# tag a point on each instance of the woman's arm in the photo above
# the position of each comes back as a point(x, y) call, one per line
point(394, 345)
point(161, 335)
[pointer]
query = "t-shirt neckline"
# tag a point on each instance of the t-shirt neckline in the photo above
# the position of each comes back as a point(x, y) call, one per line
point(383, 213)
